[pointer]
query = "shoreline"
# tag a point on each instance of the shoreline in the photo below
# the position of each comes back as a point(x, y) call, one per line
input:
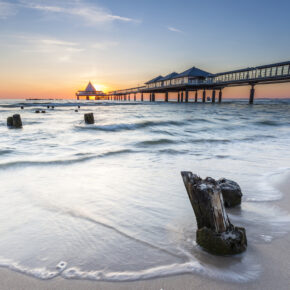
point(274, 257)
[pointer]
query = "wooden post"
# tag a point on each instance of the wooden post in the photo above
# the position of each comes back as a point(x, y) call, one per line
point(252, 94)
point(17, 123)
point(10, 121)
point(166, 96)
point(220, 95)
point(142, 98)
point(186, 96)
point(89, 118)
point(215, 232)
point(181, 97)
point(178, 99)
point(203, 96)
point(213, 96)
point(195, 98)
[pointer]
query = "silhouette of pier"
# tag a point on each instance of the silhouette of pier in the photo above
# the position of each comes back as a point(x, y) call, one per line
point(194, 80)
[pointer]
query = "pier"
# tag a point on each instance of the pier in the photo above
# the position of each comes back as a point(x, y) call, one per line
point(188, 83)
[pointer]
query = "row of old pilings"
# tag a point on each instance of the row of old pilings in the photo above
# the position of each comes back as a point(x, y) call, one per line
point(208, 197)
point(15, 122)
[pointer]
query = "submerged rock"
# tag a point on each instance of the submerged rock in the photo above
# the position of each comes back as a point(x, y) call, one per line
point(215, 232)
point(231, 191)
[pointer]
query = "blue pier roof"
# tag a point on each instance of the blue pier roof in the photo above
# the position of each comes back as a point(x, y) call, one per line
point(193, 72)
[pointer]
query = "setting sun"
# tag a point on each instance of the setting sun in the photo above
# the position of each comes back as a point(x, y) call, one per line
point(99, 87)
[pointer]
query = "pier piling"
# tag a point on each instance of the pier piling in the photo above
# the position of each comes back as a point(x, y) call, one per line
point(186, 96)
point(252, 94)
point(213, 96)
point(203, 96)
point(220, 95)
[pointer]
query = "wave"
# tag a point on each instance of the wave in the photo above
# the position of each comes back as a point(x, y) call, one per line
point(191, 267)
point(250, 272)
point(63, 162)
point(156, 142)
point(267, 123)
point(5, 151)
point(129, 126)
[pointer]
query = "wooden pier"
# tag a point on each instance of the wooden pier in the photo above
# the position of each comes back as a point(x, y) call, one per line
point(193, 80)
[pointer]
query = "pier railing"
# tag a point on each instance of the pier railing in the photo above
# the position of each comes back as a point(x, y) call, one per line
point(262, 74)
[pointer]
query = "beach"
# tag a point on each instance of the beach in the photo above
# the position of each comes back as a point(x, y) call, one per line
point(103, 206)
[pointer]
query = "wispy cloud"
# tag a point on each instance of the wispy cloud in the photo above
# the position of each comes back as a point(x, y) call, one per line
point(173, 29)
point(92, 14)
point(7, 9)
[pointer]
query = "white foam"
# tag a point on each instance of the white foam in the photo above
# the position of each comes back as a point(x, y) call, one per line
point(251, 272)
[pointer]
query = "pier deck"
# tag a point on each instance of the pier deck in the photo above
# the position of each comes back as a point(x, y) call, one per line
point(195, 80)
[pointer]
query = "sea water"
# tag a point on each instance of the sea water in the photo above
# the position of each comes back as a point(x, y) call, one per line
point(107, 201)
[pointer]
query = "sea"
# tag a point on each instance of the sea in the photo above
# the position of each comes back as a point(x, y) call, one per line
point(107, 202)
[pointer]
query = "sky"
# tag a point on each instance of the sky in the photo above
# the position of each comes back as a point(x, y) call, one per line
point(52, 48)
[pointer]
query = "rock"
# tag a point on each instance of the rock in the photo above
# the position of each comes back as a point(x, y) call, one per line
point(89, 118)
point(37, 111)
point(10, 121)
point(22, 107)
point(43, 112)
point(76, 111)
point(79, 107)
point(17, 123)
point(47, 107)
point(215, 232)
point(52, 107)
point(231, 191)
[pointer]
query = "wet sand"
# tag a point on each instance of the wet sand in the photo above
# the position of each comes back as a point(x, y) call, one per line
point(274, 258)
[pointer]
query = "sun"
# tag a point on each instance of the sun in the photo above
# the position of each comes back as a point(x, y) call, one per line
point(99, 87)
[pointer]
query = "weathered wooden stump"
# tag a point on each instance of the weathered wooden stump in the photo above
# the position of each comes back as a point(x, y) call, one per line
point(89, 118)
point(215, 232)
point(17, 123)
point(10, 121)
point(14, 121)
point(231, 191)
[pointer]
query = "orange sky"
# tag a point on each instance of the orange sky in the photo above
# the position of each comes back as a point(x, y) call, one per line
point(14, 88)
point(53, 48)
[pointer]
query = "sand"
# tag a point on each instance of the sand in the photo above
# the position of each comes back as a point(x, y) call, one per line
point(275, 258)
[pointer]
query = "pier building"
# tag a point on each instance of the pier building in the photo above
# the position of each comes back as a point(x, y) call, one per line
point(90, 93)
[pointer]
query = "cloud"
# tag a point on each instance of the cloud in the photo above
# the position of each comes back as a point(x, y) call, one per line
point(173, 29)
point(7, 9)
point(89, 13)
